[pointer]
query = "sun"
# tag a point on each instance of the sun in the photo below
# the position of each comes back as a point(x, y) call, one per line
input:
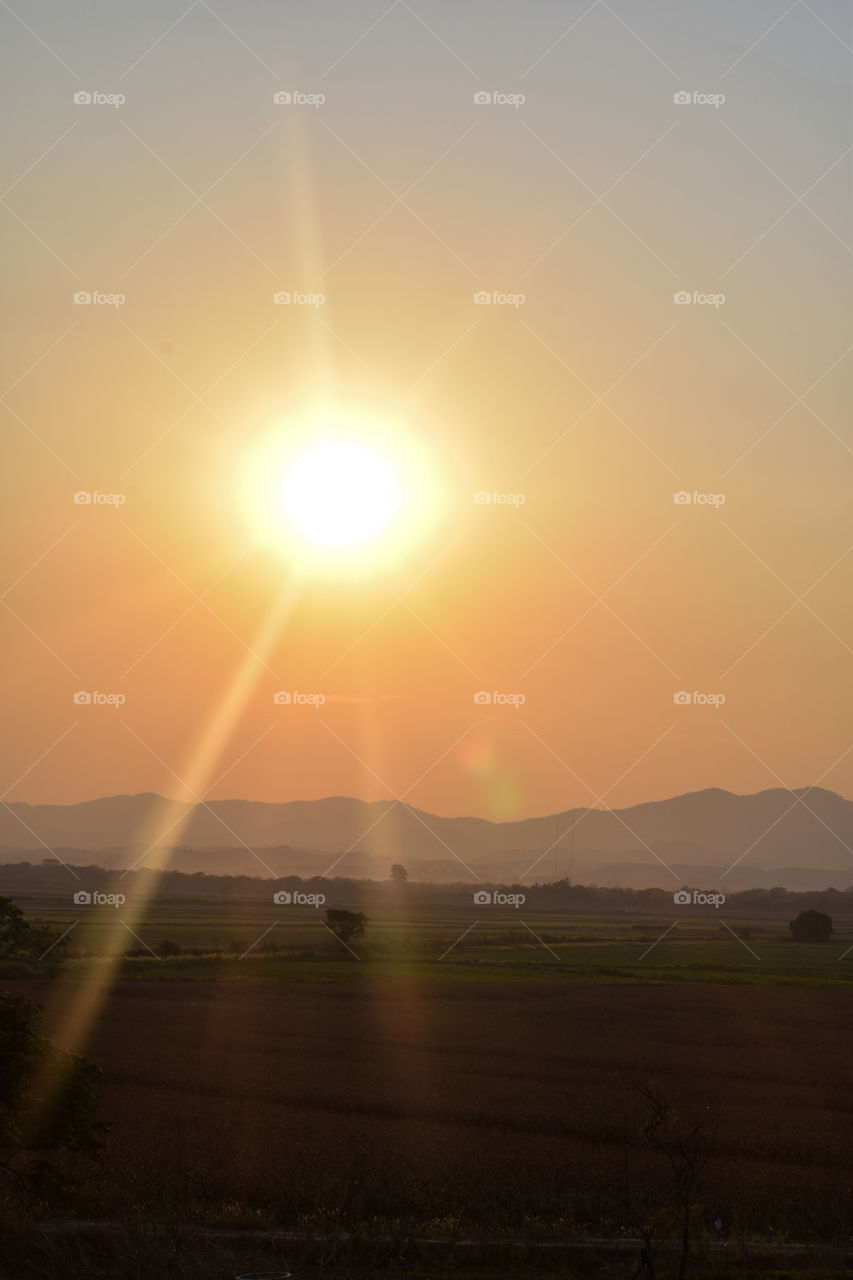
point(340, 494)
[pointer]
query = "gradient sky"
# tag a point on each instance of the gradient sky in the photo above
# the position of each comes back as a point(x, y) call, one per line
point(597, 399)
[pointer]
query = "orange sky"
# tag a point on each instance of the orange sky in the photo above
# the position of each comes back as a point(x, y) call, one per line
point(597, 399)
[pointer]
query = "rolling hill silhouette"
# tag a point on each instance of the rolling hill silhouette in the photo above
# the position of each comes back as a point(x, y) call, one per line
point(795, 834)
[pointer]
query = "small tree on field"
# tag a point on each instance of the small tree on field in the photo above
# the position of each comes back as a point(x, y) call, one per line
point(811, 926)
point(346, 925)
point(399, 873)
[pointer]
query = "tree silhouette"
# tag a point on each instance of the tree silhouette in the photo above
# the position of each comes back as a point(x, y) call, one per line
point(811, 926)
point(47, 1097)
point(22, 940)
point(346, 925)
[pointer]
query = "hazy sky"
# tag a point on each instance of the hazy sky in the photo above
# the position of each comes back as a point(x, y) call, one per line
point(582, 388)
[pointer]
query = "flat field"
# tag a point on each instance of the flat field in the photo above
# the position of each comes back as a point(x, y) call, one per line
point(476, 1074)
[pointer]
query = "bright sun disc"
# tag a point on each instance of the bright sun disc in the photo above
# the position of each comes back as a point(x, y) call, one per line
point(340, 494)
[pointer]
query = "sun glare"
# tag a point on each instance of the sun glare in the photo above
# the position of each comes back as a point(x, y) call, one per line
point(340, 494)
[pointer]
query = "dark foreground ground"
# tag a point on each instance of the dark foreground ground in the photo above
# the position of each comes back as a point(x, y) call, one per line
point(442, 1108)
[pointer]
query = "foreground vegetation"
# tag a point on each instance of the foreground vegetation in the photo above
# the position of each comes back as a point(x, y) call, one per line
point(520, 1074)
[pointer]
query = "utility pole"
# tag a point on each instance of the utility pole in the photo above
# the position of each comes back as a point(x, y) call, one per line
point(556, 847)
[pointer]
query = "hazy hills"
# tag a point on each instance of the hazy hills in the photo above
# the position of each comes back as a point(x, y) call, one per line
point(801, 839)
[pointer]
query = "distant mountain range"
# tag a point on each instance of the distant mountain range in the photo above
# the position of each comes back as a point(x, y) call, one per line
point(799, 839)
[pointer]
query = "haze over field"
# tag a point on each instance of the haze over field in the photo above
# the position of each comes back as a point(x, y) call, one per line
point(798, 839)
